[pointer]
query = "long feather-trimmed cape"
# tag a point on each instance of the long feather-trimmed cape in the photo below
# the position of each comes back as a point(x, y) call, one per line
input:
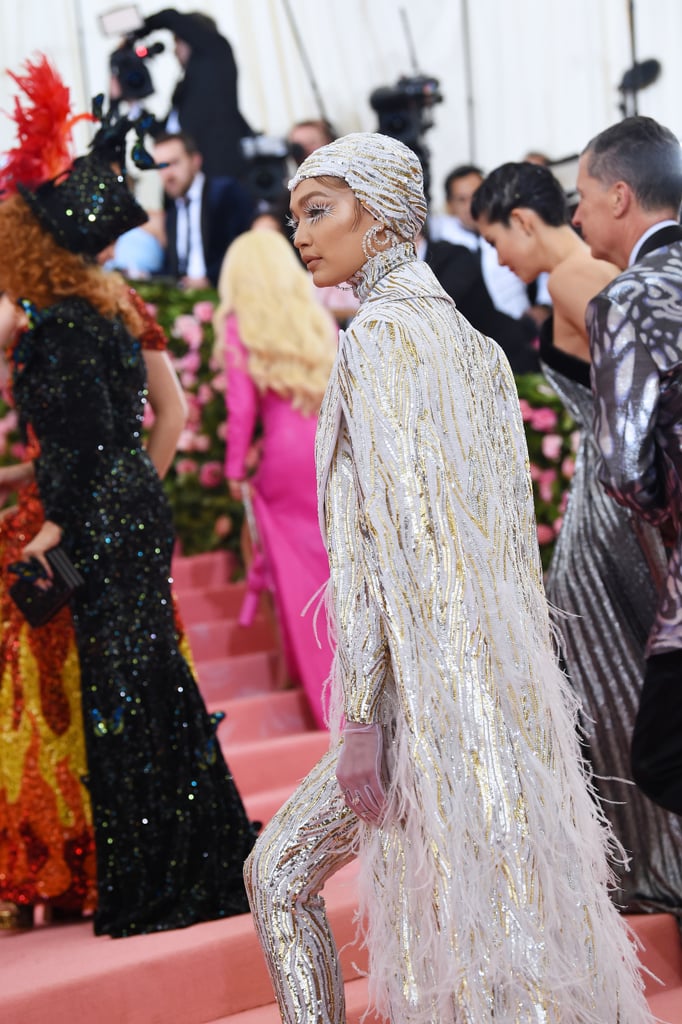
point(485, 895)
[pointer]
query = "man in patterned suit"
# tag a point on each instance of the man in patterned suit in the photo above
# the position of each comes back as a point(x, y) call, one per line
point(630, 188)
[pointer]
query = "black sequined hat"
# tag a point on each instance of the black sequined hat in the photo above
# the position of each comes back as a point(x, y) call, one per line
point(90, 205)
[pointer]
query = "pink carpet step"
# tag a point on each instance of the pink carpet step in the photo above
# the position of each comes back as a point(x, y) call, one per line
point(356, 1006)
point(64, 975)
point(206, 604)
point(223, 638)
point(263, 715)
point(260, 765)
point(211, 569)
point(238, 675)
point(263, 806)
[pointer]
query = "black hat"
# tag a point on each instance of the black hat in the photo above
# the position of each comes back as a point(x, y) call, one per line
point(90, 205)
point(88, 209)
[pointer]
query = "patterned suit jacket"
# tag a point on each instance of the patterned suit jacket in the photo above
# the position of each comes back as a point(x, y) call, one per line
point(635, 328)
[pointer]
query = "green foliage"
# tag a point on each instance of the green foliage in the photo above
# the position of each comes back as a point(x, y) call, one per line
point(552, 442)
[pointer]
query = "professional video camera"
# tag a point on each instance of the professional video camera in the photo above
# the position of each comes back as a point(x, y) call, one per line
point(128, 66)
point(404, 113)
point(266, 169)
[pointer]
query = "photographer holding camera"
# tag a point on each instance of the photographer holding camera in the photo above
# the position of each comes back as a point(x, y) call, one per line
point(204, 102)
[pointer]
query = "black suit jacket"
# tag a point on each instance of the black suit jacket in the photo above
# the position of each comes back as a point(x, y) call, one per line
point(227, 209)
point(459, 271)
point(206, 98)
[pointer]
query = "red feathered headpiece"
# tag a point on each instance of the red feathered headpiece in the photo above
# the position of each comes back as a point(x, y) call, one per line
point(44, 128)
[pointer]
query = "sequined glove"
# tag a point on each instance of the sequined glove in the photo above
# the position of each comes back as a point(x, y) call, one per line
point(358, 771)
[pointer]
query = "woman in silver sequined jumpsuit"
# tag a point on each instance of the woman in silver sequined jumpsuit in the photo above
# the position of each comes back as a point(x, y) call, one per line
point(455, 775)
point(600, 576)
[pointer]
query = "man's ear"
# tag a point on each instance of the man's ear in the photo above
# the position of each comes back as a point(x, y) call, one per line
point(621, 199)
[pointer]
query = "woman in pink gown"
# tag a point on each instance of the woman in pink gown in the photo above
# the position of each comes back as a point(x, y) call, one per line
point(279, 346)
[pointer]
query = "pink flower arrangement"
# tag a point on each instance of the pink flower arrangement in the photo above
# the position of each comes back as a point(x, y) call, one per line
point(545, 534)
point(543, 419)
point(203, 311)
point(552, 445)
point(211, 474)
point(185, 466)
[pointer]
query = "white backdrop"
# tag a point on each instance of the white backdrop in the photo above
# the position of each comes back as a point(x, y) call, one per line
point(544, 73)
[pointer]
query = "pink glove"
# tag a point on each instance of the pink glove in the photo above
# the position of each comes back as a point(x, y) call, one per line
point(358, 771)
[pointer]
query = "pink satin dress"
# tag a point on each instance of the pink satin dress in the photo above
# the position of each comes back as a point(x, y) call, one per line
point(289, 556)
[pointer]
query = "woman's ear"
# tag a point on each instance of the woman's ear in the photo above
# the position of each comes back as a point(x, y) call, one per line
point(524, 219)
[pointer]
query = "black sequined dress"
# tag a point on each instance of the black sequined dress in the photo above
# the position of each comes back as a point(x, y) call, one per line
point(170, 828)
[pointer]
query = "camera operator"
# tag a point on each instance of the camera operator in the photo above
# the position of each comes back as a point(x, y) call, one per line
point(204, 102)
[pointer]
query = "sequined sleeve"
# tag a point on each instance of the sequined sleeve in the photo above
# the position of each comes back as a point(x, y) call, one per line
point(64, 384)
point(394, 477)
point(626, 383)
point(361, 652)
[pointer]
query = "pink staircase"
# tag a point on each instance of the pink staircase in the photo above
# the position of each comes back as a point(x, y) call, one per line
point(213, 973)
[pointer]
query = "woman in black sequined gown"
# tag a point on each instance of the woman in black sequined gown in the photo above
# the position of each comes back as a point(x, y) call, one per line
point(171, 831)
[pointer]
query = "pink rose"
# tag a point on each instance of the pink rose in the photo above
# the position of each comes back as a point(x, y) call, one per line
point(219, 383)
point(203, 311)
point(545, 533)
point(544, 419)
point(535, 471)
point(201, 443)
point(18, 451)
point(187, 328)
point(188, 380)
point(190, 362)
point(557, 525)
point(546, 482)
point(551, 446)
point(526, 410)
point(185, 441)
point(211, 474)
point(8, 423)
point(568, 467)
point(185, 466)
point(204, 394)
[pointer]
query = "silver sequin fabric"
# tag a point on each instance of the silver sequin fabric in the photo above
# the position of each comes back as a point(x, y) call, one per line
point(635, 327)
point(483, 896)
point(601, 580)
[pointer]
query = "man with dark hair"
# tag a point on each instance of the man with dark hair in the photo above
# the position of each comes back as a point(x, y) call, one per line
point(307, 136)
point(204, 103)
point(630, 190)
point(202, 214)
point(507, 292)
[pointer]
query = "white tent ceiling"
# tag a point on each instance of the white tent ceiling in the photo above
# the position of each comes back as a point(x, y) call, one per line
point(514, 74)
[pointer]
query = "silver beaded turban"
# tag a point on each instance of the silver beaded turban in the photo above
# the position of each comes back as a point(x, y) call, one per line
point(384, 174)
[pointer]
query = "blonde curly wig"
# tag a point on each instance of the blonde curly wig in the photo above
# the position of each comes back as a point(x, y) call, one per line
point(290, 337)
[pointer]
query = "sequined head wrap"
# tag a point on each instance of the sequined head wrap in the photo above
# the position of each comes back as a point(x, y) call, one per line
point(384, 174)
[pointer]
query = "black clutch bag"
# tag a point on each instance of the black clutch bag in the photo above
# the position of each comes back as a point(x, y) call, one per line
point(38, 604)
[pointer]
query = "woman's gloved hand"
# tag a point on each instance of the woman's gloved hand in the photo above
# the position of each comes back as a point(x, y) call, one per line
point(358, 771)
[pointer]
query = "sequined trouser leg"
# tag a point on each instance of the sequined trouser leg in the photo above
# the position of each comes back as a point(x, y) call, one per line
point(310, 838)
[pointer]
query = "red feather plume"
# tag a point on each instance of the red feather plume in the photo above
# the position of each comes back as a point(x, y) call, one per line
point(44, 128)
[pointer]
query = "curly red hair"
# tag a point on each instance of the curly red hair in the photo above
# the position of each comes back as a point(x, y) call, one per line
point(34, 266)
